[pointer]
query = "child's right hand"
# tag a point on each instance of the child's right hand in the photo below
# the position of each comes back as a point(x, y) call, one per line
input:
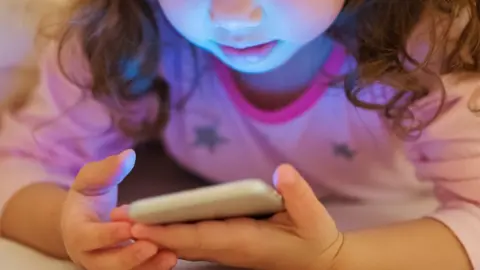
point(91, 240)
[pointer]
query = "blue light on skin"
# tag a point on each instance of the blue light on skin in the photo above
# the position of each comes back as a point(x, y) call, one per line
point(298, 26)
point(129, 159)
point(104, 195)
point(296, 73)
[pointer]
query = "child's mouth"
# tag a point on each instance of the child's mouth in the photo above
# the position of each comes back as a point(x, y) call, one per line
point(251, 54)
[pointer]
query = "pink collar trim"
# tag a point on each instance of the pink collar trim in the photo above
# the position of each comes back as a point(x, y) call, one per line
point(295, 109)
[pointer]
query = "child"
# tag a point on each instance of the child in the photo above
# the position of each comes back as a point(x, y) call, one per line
point(369, 100)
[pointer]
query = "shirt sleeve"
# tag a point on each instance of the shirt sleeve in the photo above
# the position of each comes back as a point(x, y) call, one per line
point(61, 128)
point(448, 154)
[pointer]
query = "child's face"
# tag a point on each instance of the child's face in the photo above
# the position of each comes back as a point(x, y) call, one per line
point(252, 36)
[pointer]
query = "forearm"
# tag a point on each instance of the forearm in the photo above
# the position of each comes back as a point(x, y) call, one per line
point(32, 217)
point(416, 245)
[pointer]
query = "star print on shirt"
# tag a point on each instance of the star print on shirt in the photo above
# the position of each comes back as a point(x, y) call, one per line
point(344, 151)
point(207, 136)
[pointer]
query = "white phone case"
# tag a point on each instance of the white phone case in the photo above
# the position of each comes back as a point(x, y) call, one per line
point(244, 198)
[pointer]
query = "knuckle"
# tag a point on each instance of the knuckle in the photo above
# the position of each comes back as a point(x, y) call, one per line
point(198, 238)
point(86, 169)
point(95, 169)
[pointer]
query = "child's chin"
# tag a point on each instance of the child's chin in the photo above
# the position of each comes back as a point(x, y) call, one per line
point(269, 64)
point(253, 68)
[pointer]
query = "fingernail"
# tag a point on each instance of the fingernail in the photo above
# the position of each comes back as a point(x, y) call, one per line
point(275, 178)
point(129, 158)
point(288, 174)
point(126, 152)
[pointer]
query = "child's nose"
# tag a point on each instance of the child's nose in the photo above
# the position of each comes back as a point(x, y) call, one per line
point(234, 15)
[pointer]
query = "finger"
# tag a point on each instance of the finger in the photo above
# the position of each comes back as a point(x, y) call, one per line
point(123, 258)
point(120, 214)
point(98, 178)
point(163, 260)
point(209, 235)
point(301, 203)
point(93, 236)
point(235, 242)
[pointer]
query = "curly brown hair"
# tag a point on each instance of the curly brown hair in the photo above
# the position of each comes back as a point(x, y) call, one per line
point(375, 32)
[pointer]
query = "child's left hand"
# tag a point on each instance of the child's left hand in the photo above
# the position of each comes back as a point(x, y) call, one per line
point(304, 237)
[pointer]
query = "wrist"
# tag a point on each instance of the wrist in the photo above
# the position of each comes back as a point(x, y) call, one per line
point(356, 253)
point(343, 259)
point(333, 257)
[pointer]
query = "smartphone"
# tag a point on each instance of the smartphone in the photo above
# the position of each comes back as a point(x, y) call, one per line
point(244, 198)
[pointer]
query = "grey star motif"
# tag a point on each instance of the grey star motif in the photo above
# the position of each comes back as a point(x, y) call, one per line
point(344, 151)
point(207, 136)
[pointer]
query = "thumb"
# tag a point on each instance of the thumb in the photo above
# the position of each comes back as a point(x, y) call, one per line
point(303, 207)
point(98, 178)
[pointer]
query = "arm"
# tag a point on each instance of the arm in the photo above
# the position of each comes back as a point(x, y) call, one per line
point(447, 154)
point(420, 244)
point(40, 228)
point(42, 147)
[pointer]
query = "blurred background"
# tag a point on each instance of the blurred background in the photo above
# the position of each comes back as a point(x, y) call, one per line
point(19, 45)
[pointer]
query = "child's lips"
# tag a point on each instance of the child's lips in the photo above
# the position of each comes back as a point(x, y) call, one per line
point(252, 54)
